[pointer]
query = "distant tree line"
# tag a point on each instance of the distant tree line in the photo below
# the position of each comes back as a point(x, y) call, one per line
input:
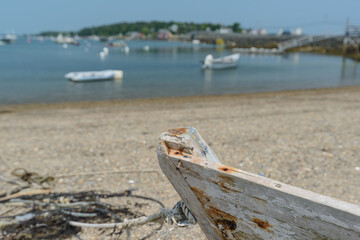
point(55, 33)
point(147, 28)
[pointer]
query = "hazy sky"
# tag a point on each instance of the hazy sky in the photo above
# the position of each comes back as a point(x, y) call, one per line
point(314, 16)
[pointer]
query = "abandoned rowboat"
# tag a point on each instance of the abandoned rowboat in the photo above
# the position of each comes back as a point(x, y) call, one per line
point(94, 75)
point(220, 63)
point(229, 203)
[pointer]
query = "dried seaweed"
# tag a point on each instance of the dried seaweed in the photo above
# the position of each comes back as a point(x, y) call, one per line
point(46, 216)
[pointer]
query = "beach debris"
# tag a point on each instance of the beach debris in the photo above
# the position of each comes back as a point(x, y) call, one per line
point(33, 177)
point(357, 168)
point(25, 217)
point(26, 180)
point(34, 211)
point(179, 215)
point(27, 193)
point(61, 215)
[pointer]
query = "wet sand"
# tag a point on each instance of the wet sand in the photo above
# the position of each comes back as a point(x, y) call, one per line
point(307, 138)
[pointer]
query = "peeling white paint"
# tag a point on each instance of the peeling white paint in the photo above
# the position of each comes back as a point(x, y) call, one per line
point(233, 204)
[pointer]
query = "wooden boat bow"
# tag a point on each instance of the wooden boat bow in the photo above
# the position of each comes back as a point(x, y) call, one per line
point(229, 203)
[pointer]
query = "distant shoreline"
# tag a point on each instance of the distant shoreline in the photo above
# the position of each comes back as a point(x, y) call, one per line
point(9, 108)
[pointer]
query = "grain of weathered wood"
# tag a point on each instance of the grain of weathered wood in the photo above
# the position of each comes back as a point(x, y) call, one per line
point(233, 204)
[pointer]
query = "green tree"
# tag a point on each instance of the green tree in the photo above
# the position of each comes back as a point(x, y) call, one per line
point(145, 28)
point(236, 27)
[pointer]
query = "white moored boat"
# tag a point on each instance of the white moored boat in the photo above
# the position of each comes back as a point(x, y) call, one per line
point(220, 63)
point(94, 75)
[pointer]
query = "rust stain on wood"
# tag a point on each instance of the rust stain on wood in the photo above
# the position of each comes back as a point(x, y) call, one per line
point(177, 131)
point(220, 215)
point(200, 195)
point(164, 145)
point(216, 216)
point(225, 222)
point(179, 153)
point(227, 169)
point(220, 218)
point(261, 223)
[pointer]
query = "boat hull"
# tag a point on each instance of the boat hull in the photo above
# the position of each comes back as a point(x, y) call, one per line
point(230, 61)
point(93, 76)
point(221, 66)
point(229, 203)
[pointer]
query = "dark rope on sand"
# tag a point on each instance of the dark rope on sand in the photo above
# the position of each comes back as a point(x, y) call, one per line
point(50, 215)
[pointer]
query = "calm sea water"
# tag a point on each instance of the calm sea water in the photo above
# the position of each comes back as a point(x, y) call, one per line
point(34, 72)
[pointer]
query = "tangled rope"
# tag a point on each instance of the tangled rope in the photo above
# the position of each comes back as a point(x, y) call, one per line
point(179, 215)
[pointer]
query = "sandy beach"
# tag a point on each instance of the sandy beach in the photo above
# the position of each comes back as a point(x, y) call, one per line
point(306, 138)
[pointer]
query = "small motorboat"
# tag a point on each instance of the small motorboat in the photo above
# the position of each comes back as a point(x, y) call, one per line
point(94, 75)
point(219, 63)
point(9, 38)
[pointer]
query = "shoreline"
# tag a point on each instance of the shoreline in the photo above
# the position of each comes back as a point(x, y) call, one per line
point(8, 108)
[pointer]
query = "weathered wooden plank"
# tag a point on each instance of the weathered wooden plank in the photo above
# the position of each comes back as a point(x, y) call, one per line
point(233, 204)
